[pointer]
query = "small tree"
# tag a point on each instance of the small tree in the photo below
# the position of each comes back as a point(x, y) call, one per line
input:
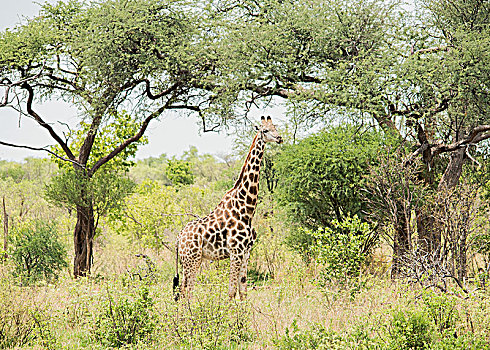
point(37, 252)
point(343, 249)
point(321, 177)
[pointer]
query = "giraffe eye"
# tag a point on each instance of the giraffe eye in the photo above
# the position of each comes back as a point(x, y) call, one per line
point(266, 131)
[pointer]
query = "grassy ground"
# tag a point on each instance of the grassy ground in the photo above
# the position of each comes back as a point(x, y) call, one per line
point(126, 306)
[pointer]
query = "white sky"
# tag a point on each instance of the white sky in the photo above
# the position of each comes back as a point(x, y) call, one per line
point(171, 135)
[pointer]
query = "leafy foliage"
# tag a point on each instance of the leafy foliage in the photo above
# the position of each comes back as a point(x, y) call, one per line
point(155, 212)
point(342, 249)
point(105, 191)
point(125, 320)
point(179, 172)
point(410, 331)
point(320, 177)
point(37, 252)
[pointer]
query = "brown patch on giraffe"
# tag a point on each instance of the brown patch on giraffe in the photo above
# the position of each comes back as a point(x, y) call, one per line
point(243, 280)
point(250, 200)
point(253, 190)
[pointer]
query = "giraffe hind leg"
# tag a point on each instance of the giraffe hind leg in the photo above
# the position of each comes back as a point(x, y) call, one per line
point(242, 282)
point(190, 268)
point(235, 264)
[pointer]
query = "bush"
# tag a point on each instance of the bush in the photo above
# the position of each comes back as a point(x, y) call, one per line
point(126, 319)
point(37, 252)
point(320, 177)
point(342, 249)
point(410, 331)
point(315, 338)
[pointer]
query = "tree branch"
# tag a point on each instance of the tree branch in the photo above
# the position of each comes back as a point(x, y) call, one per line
point(42, 123)
point(128, 141)
point(42, 149)
point(198, 110)
point(478, 134)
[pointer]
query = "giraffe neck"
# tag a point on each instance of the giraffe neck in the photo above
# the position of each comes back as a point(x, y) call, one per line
point(247, 186)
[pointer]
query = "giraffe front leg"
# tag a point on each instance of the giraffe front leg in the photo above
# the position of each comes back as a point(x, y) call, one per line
point(235, 265)
point(243, 276)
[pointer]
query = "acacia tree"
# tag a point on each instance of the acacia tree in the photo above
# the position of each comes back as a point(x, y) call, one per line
point(424, 78)
point(143, 56)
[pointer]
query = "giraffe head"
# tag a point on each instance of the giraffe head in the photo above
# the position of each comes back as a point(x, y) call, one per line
point(268, 130)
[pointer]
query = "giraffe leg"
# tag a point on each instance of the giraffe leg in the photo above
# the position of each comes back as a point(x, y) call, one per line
point(243, 276)
point(235, 264)
point(190, 268)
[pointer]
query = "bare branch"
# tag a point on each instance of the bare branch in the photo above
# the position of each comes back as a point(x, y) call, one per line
point(45, 125)
point(429, 50)
point(42, 149)
point(198, 110)
point(478, 134)
point(128, 141)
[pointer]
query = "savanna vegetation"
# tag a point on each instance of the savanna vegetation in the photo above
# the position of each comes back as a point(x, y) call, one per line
point(373, 217)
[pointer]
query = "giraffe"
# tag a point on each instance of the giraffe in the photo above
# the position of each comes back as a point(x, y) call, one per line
point(227, 231)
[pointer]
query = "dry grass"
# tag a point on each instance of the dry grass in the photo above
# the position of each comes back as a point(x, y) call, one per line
point(272, 307)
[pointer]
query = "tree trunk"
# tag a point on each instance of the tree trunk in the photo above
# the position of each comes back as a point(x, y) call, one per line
point(401, 246)
point(83, 241)
point(5, 229)
point(453, 170)
point(429, 237)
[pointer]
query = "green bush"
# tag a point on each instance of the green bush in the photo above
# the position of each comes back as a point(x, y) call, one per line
point(319, 178)
point(37, 252)
point(342, 249)
point(410, 330)
point(318, 337)
point(179, 172)
point(315, 338)
point(126, 319)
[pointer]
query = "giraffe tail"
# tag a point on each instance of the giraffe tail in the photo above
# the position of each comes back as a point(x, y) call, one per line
point(175, 285)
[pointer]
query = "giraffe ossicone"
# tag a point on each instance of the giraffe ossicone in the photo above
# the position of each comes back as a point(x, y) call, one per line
point(227, 231)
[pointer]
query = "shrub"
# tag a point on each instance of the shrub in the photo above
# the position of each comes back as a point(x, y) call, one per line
point(318, 337)
point(342, 249)
point(320, 177)
point(37, 252)
point(124, 320)
point(315, 338)
point(410, 331)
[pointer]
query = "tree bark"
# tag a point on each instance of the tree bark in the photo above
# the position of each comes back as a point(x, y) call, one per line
point(401, 246)
point(429, 237)
point(5, 229)
point(453, 170)
point(83, 241)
